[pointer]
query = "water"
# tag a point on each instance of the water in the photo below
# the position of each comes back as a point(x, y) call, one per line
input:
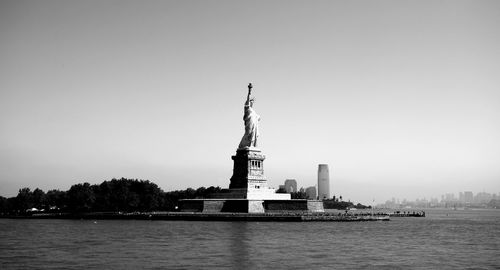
point(445, 239)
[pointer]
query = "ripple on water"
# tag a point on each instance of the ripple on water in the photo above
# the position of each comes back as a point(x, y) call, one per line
point(444, 240)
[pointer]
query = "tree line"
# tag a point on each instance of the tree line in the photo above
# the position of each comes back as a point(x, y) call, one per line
point(342, 205)
point(129, 195)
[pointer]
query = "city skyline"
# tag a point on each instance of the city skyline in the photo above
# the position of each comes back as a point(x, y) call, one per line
point(398, 98)
point(445, 197)
point(464, 199)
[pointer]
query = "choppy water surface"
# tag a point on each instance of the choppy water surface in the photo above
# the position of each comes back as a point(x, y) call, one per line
point(445, 239)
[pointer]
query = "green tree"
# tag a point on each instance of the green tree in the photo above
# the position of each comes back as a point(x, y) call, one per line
point(298, 195)
point(81, 198)
point(38, 198)
point(4, 205)
point(24, 199)
point(55, 198)
point(281, 190)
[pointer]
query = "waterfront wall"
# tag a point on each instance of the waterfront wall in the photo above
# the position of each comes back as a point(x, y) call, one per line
point(248, 206)
point(201, 216)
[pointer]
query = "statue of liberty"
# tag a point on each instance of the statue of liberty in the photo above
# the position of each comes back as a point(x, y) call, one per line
point(251, 119)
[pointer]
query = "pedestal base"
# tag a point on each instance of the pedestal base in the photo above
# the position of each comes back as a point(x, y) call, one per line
point(250, 206)
point(251, 194)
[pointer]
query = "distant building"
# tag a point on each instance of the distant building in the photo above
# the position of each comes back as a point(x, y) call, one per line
point(449, 197)
point(483, 197)
point(468, 197)
point(323, 182)
point(311, 193)
point(290, 185)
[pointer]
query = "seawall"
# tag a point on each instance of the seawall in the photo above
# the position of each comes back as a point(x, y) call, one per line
point(200, 216)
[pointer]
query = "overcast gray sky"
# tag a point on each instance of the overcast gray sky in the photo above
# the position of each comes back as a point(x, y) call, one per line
point(400, 98)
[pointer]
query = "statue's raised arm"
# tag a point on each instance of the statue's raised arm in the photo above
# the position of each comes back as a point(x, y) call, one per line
point(251, 119)
point(249, 93)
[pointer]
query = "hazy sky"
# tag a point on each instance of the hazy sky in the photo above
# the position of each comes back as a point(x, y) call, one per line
point(400, 98)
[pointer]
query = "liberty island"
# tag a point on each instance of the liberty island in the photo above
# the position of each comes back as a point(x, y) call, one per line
point(248, 189)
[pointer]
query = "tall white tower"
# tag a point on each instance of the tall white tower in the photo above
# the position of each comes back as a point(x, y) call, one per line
point(323, 182)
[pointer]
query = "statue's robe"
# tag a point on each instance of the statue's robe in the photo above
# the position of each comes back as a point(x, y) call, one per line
point(251, 119)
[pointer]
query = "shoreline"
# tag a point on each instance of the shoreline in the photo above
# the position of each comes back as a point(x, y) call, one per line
point(200, 216)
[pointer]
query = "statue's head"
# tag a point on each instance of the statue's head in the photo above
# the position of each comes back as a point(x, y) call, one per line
point(252, 100)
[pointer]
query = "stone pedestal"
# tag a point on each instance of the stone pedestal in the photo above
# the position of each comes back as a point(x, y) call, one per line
point(248, 169)
point(248, 180)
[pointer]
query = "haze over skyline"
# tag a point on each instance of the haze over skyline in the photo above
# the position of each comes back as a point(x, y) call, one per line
point(400, 99)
